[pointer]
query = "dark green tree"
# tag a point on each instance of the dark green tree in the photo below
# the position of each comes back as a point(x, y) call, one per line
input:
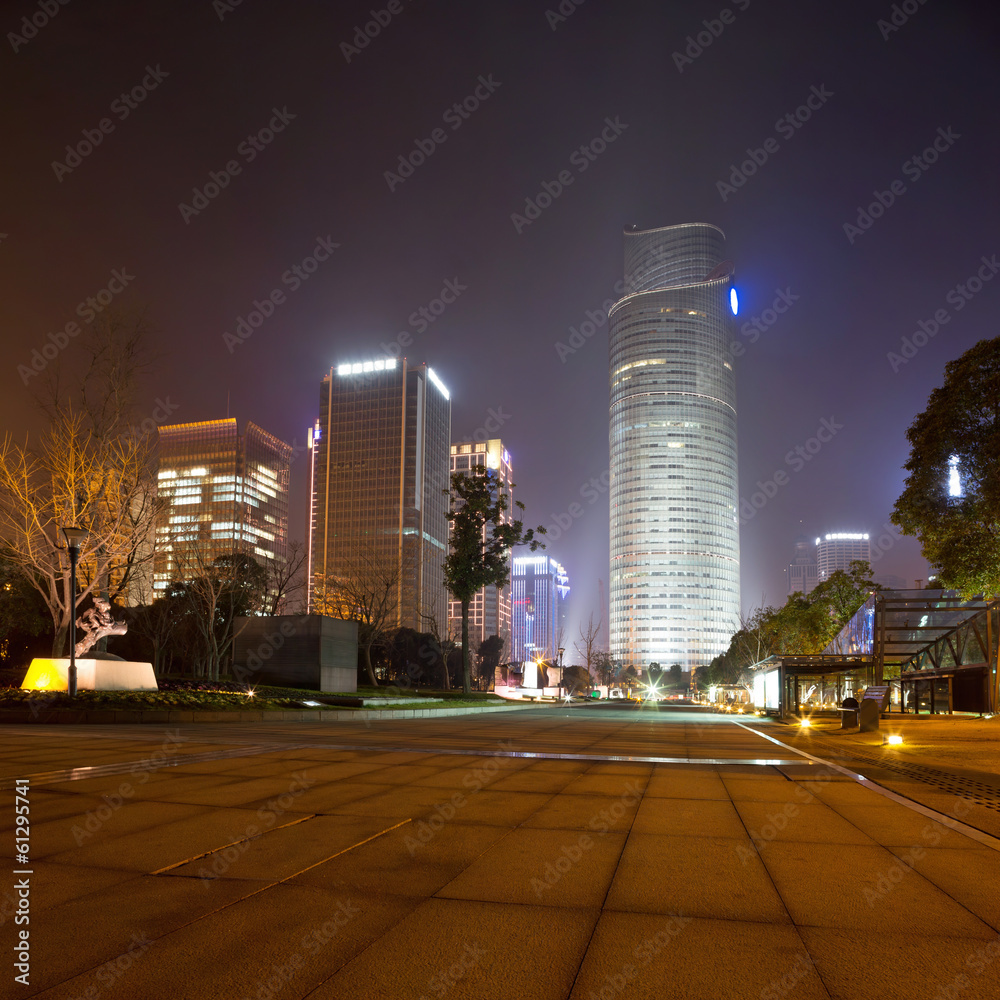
point(958, 436)
point(482, 538)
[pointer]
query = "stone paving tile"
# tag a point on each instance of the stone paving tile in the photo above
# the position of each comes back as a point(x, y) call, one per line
point(97, 822)
point(689, 818)
point(678, 784)
point(970, 877)
point(824, 885)
point(895, 825)
point(801, 822)
point(704, 876)
point(646, 955)
point(477, 950)
point(84, 933)
point(274, 852)
point(165, 843)
point(544, 867)
point(890, 965)
point(593, 813)
point(413, 860)
point(610, 785)
point(762, 789)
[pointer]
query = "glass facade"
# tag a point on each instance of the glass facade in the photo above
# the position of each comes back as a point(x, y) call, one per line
point(539, 587)
point(218, 492)
point(674, 590)
point(489, 611)
point(379, 468)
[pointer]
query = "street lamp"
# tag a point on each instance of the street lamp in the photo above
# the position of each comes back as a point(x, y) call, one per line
point(75, 537)
point(562, 650)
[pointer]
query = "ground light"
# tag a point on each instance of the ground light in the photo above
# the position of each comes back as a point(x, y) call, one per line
point(893, 740)
point(805, 723)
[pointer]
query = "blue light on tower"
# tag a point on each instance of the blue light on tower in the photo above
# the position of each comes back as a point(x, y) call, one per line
point(734, 301)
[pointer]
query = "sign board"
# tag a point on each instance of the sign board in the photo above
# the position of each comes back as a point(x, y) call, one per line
point(879, 694)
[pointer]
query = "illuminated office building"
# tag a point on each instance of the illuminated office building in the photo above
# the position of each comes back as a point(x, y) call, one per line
point(218, 492)
point(378, 472)
point(802, 569)
point(838, 550)
point(675, 553)
point(489, 610)
point(538, 590)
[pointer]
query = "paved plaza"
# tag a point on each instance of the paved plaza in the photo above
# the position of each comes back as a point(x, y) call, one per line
point(555, 852)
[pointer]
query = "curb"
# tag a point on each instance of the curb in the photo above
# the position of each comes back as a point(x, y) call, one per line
point(168, 716)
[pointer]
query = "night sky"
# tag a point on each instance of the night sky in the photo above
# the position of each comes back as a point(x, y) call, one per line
point(679, 119)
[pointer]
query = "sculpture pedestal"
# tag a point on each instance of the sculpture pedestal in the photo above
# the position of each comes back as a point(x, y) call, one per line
point(46, 674)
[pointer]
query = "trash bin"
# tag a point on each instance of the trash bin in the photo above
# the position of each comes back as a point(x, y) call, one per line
point(849, 713)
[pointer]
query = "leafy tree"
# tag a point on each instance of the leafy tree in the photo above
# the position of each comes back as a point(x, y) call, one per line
point(675, 674)
point(24, 621)
point(481, 541)
point(577, 680)
point(960, 430)
point(489, 652)
point(843, 592)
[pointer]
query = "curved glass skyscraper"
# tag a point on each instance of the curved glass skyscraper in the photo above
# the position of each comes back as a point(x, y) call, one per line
point(675, 551)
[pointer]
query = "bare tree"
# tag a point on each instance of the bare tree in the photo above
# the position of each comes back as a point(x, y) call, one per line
point(366, 591)
point(285, 578)
point(74, 479)
point(216, 594)
point(587, 647)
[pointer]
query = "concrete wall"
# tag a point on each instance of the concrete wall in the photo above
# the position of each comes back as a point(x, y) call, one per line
point(307, 651)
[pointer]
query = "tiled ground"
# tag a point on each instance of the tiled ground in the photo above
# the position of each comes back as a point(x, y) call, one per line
point(307, 870)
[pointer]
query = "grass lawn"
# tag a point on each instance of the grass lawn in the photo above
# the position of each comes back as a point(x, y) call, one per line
point(176, 696)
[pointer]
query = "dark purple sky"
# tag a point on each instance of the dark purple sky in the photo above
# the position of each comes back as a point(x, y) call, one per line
point(682, 129)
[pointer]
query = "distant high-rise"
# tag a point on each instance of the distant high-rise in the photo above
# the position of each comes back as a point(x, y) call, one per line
point(675, 553)
point(838, 550)
point(489, 611)
point(802, 568)
point(218, 492)
point(538, 590)
point(378, 472)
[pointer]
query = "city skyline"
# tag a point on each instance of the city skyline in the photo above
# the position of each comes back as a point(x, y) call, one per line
point(851, 178)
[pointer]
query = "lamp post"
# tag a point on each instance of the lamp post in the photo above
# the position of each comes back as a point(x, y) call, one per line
point(562, 650)
point(75, 537)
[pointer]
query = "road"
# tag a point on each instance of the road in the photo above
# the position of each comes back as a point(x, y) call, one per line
point(572, 852)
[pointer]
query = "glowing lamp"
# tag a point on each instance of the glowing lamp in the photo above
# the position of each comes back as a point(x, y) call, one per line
point(734, 301)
